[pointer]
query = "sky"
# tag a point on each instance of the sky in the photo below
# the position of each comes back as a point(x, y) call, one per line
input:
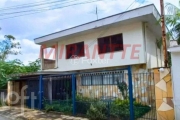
point(26, 28)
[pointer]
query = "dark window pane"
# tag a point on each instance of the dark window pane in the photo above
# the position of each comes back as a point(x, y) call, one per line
point(86, 80)
point(97, 80)
point(116, 42)
point(118, 78)
point(108, 79)
point(104, 45)
point(76, 49)
point(110, 44)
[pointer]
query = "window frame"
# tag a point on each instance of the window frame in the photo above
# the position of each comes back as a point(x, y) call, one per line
point(110, 39)
point(83, 48)
point(102, 79)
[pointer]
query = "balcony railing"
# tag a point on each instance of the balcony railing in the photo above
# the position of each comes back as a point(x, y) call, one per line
point(49, 64)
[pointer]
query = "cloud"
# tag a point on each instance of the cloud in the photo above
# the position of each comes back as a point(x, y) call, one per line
point(29, 51)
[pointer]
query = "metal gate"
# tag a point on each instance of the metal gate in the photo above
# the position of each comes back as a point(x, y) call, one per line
point(33, 93)
point(57, 93)
point(117, 94)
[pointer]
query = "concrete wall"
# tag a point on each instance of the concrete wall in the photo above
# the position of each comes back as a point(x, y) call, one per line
point(154, 54)
point(132, 36)
point(14, 93)
point(139, 42)
point(176, 82)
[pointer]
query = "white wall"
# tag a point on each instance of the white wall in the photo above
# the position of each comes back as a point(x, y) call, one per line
point(132, 35)
point(176, 82)
point(154, 55)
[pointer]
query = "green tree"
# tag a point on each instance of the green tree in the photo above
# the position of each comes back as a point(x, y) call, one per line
point(15, 67)
point(173, 21)
point(11, 47)
point(8, 47)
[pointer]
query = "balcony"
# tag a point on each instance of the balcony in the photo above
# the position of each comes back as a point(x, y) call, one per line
point(49, 64)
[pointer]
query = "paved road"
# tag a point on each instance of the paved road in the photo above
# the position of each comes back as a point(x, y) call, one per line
point(3, 118)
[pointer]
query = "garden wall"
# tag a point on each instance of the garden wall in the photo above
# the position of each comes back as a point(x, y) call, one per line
point(164, 94)
point(14, 92)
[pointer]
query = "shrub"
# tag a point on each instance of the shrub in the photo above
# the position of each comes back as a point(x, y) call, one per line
point(97, 111)
point(83, 104)
point(120, 109)
point(59, 106)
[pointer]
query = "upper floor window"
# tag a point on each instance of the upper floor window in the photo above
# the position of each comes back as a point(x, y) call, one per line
point(110, 43)
point(76, 49)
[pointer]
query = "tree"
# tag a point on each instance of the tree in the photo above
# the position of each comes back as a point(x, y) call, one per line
point(173, 21)
point(8, 47)
point(11, 47)
point(15, 67)
point(33, 66)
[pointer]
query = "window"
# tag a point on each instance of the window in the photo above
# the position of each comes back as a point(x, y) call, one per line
point(86, 80)
point(102, 79)
point(118, 77)
point(110, 44)
point(97, 80)
point(108, 79)
point(76, 49)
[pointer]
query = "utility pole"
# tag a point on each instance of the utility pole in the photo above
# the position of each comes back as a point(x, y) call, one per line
point(163, 33)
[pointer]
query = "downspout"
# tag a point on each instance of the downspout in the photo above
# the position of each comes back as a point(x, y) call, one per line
point(144, 37)
point(157, 54)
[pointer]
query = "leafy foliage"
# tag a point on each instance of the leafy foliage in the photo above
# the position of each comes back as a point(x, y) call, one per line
point(97, 111)
point(123, 89)
point(59, 106)
point(173, 21)
point(8, 47)
point(15, 67)
point(11, 47)
point(83, 104)
point(120, 109)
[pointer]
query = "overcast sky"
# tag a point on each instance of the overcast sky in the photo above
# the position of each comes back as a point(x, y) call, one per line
point(26, 28)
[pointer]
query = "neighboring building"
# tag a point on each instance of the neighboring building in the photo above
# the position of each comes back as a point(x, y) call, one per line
point(173, 43)
point(175, 58)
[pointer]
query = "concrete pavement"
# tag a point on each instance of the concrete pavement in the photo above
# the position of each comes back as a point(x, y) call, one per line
point(14, 113)
point(3, 118)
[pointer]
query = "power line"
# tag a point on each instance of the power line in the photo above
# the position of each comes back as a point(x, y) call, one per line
point(27, 4)
point(39, 9)
point(102, 33)
point(52, 9)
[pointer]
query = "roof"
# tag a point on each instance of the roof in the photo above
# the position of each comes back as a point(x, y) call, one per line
point(25, 76)
point(138, 14)
point(174, 49)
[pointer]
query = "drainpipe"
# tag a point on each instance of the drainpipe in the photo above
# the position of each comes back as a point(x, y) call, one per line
point(144, 37)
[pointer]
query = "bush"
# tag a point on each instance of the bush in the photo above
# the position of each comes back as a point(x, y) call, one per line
point(59, 106)
point(3, 103)
point(97, 111)
point(83, 104)
point(120, 109)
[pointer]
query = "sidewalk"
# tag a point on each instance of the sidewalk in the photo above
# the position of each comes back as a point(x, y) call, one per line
point(14, 113)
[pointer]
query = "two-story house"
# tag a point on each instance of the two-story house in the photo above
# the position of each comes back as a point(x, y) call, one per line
point(111, 43)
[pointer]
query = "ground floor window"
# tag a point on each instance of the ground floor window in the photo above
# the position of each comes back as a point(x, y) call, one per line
point(102, 79)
